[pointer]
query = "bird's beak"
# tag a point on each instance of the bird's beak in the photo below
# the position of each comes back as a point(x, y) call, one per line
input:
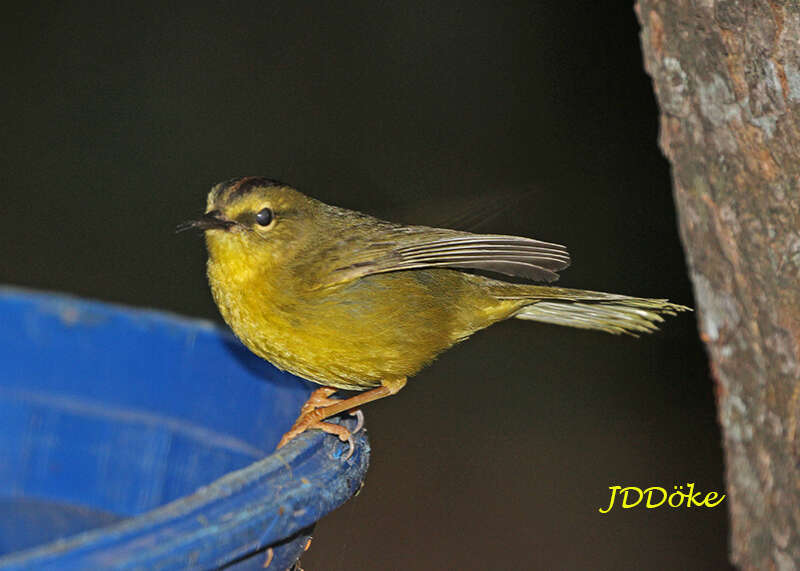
point(209, 221)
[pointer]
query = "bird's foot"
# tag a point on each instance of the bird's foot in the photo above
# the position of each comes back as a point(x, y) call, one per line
point(312, 414)
point(320, 406)
point(318, 399)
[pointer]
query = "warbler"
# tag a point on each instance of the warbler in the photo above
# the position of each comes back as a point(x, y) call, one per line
point(353, 302)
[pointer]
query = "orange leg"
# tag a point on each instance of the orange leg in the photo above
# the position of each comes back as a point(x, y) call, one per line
point(320, 406)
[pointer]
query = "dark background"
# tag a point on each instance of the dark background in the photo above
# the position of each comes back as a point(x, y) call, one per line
point(119, 119)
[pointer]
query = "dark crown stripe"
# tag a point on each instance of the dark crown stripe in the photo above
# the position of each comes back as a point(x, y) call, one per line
point(237, 187)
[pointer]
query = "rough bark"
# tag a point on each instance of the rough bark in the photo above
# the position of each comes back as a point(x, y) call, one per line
point(727, 78)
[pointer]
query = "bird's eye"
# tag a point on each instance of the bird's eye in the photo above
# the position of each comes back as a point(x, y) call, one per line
point(264, 216)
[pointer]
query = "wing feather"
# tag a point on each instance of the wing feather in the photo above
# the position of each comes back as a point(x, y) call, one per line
point(419, 247)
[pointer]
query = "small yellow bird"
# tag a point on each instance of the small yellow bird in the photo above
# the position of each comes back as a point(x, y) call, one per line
point(357, 303)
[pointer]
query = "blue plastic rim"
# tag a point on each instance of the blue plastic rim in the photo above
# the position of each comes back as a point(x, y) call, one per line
point(134, 439)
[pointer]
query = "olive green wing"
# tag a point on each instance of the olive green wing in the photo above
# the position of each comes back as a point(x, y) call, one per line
point(415, 247)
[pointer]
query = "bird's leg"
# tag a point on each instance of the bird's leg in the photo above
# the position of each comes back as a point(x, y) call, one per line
point(320, 406)
point(318, 399)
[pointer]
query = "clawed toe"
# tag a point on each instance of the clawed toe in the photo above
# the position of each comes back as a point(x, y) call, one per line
point(359, 420)
point(352, 445)
point(307, 422)
point(320, 406)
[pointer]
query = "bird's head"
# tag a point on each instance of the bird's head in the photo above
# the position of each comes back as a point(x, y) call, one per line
point(254, 222)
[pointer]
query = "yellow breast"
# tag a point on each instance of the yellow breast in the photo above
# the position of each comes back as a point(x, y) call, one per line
point(353, 336)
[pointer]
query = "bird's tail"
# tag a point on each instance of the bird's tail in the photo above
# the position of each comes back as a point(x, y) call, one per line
point(612, 313)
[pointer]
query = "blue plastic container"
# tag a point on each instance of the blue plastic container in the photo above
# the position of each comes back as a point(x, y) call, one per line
point(132, 439)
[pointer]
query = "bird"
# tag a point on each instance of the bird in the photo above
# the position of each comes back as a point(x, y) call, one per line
point(356, 303)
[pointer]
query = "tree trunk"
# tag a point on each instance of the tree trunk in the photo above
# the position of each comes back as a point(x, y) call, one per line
point(727, 77)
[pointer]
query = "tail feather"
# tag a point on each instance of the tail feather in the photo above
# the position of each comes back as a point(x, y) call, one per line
point(603, 312)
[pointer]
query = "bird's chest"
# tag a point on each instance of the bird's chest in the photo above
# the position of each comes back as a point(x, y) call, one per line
point(264, 318)
point(300, 334)
point(352, 336)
